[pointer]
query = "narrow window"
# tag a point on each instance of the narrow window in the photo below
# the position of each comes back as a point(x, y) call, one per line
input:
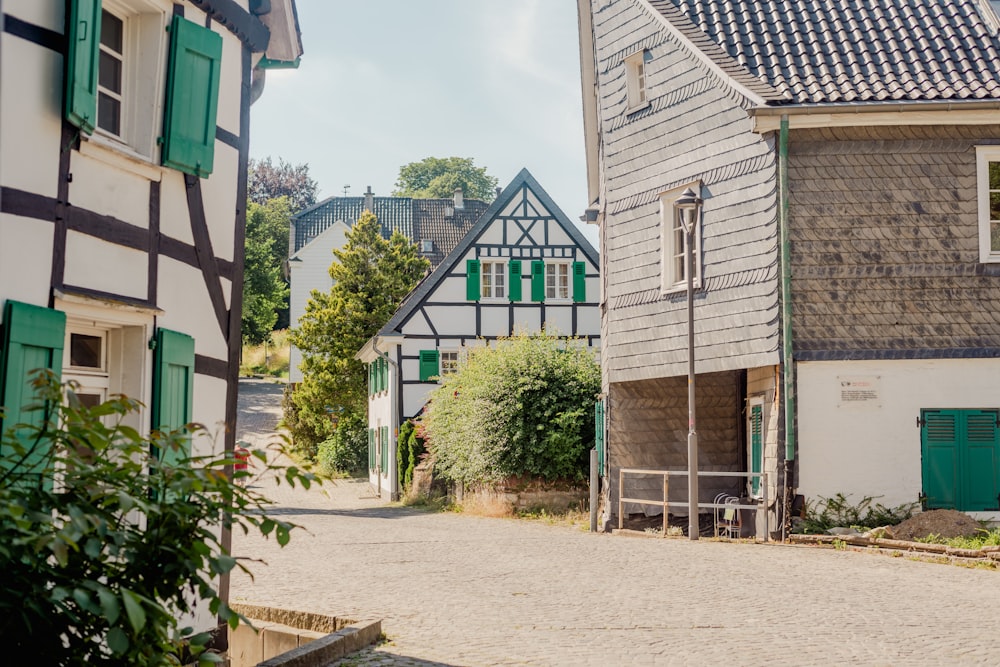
point(635, 80)
point(674, 253)
point(494, 280)
point(557, 280)
point(449, 362)
point(110, 93)
point(988, 168)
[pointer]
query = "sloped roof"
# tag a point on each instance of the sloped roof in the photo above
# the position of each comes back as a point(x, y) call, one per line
point(427, 285)
point(435, 220)
point(823, 51)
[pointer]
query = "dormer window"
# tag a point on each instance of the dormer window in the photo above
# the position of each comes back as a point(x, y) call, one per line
point(427, 245)
point(635, 80)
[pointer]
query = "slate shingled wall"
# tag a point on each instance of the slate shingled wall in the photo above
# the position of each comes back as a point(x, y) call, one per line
point(885, 244)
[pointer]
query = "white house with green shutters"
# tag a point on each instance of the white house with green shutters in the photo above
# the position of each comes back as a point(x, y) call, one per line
point(124, 138)
point(524, 266)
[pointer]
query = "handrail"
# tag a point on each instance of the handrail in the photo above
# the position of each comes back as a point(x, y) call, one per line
point(665, 503)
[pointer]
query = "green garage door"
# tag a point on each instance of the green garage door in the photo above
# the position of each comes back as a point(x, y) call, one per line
point(960, 452)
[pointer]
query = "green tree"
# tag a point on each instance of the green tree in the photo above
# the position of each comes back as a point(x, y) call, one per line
point(371, 275)
point(438, 178)
point(267, 181)
point(522, 407)
point(265, 291)
point(99, 565)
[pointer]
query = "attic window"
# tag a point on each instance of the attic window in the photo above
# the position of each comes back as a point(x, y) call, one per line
point(635, 80)
point(427, 245)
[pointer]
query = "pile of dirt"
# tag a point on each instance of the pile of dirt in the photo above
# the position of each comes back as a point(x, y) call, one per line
point(943, 523)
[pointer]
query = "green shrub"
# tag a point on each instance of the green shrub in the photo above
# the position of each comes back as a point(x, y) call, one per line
point(103, 546)
point(403, 453)
point(346, 451)
point(519, 408)
point(415, 450)
point(828, 513)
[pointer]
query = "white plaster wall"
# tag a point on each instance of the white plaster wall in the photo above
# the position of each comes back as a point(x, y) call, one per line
point(101, 188)
point(174, 219)
point(24, 239)
point(452, 288)
point(379, 415)
point(495, 321)
point(188, 308)
point(417, 325)
point(558, 236)
point(103, 266)
point(30, 125)
point(415, 397)
point(210, 411)
point(874, 449)
point(559, 320)
point(219, 196)
point(451, 320)
point(228, 114)
point(588, 320)
point(527, 319)
point(44, 13)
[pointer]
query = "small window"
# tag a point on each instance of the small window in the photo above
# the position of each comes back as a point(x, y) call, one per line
point(988, 172)
point(557, 281)
point(110, 69)
point(86, 351)
point(674, 277)
point(449, 362)
point(494, 280)
point(427, 245)
point(635, 80)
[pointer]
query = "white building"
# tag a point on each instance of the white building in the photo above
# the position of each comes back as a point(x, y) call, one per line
point(123, 165)
point(523, 267)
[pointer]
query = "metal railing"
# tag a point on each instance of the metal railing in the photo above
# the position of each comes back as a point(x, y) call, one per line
point(665, 503)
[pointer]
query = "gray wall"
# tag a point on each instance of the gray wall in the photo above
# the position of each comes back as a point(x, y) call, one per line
point(885, 247)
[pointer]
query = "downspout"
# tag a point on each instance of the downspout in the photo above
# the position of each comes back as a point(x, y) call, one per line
point(393, 423)
point(788, 389)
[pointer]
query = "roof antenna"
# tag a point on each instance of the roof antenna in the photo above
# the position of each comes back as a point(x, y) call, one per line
point(346, 188)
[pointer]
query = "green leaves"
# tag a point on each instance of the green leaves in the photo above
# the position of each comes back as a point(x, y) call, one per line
point(437, 178)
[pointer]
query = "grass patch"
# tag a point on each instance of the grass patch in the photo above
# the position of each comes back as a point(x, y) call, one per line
point(271, 359)
point(984, 538)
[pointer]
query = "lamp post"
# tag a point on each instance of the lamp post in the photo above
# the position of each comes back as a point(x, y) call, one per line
point(688, 209)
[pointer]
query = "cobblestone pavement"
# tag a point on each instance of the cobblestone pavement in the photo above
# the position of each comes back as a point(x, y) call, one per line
point(461, 590)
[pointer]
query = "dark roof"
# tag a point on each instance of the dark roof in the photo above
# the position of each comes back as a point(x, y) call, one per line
point(427, 285)
point(821, 51)
point(434, 220)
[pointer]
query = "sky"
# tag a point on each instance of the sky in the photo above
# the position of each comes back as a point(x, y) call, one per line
point(384, 83)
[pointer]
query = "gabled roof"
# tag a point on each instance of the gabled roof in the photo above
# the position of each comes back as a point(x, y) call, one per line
point(822, 51)
point(435, 220)
point(428, 284)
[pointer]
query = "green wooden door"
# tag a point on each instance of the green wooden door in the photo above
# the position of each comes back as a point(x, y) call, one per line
point(173, 387)
point(756, 447)
point(599, 443)
point(960, 459)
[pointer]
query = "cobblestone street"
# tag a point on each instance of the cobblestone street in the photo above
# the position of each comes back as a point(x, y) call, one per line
point(462, 590)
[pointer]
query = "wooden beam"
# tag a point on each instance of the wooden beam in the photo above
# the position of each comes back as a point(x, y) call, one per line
point(203, 249)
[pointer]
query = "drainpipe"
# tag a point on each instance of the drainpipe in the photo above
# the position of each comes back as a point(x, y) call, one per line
point(393, 423)
point(788, 390)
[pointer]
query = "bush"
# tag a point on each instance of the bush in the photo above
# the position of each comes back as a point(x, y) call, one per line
point(306, 428)
point(828, 513)
point(415, 450)
point(346, 451)
point(521, 408)
point(103, 546)
point(403, 453)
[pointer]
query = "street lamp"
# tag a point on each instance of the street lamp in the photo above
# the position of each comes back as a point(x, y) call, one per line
point(687, 208)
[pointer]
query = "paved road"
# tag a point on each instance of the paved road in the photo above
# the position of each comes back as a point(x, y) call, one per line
point(461, 590)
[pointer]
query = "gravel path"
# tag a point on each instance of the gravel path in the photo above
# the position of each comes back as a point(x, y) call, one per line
point(460, 590)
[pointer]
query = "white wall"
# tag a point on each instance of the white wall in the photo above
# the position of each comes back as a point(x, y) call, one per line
point(872, 447)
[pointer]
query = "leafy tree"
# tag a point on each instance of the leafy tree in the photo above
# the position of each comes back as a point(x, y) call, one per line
point(266, 181)
point(265, 291)
point(346, 451)
point(103, 546)
point(438, 178)
point(371, 275)
point(520, 408)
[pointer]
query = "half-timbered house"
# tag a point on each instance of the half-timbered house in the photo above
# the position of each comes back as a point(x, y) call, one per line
point(124, 134)
point(845, 260)
point(435, 225)
point(524, 266)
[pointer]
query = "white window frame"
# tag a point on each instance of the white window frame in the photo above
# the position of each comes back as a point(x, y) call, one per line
point(984, 156)
point(493, 281)
point(448, 366)
point(561, 283)
point(144, 44)
point(672, 251)
point(636, 86)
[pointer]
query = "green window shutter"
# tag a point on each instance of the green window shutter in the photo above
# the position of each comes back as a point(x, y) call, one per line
point(429, 364)
point(756, 446)
point(538, 281)
point(371, 449)
point(384, 374)
point(82, 59)
point(371, 383)
point(192, 98)
point(32, 338)
point(579, 282)
point(980, 461)
point(385, 450)
point(939, 440)
point(515, 280)
point(599, 443)
point(173, 386)
point(472, 279)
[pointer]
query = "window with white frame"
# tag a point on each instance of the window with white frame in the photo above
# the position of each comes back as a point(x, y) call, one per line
point(988, 177)
point(449, 361)
point(674, 250)
point(557, 280)
point(494, 280)
point(635, 80)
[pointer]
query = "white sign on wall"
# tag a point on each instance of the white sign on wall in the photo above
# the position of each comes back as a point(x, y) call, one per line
point(859, 391)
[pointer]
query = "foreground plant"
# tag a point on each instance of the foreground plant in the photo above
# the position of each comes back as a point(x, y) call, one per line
point(108, 537)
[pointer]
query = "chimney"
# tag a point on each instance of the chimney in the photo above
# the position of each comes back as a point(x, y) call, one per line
point(459, 202)
point(369, 199)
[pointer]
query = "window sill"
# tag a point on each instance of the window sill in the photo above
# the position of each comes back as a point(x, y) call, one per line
point(679, 288)
point(501, 300)
point(119, 156)
point(557, 302)
point(639, 107)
